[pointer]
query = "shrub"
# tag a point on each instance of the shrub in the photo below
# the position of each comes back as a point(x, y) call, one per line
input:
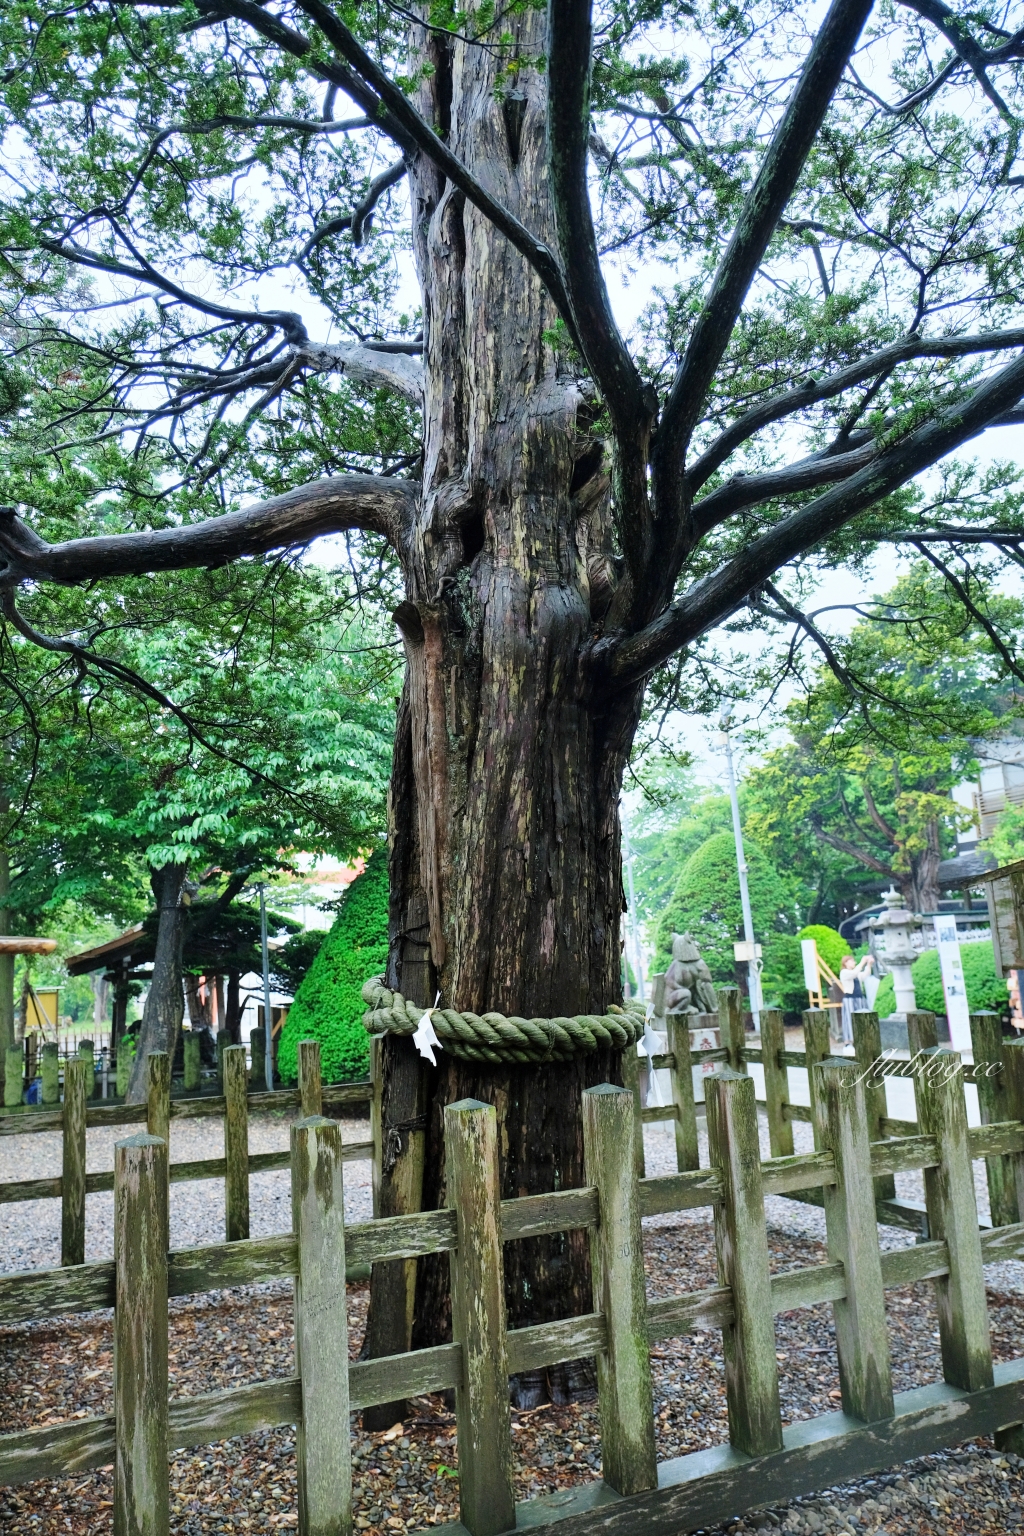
point(328, 1005)
point(706, 904)
point(985, 990)
point(782, 978)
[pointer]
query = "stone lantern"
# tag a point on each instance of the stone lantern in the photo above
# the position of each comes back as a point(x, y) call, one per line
point(894, 945)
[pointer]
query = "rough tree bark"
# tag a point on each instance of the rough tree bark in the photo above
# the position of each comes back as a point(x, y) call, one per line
point(165, 1005)
point(505, 862)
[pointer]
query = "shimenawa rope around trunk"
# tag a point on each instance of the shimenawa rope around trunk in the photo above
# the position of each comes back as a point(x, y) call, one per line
point(497, 1038)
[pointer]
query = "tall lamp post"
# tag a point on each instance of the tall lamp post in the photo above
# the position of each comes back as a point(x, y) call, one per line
point(634, 932)
point(268, 1021)
point(749, 950)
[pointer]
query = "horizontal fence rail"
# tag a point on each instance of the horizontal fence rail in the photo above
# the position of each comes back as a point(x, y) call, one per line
point(75, 1117)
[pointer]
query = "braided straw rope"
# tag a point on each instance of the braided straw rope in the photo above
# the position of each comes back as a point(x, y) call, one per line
point(493, 1037)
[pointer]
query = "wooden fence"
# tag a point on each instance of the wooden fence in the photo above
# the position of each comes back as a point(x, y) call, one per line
point(738, 1050)
point(76, 1116)
point(764, 1462)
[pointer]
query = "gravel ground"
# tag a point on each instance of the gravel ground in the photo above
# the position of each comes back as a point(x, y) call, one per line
point(407, 1478)
point(30, 1230)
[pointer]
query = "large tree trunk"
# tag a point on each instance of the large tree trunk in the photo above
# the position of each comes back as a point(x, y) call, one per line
point(505, 858)
point(165, 1005)
point(923, 895)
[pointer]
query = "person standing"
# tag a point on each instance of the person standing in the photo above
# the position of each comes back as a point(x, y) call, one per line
point(854, 994)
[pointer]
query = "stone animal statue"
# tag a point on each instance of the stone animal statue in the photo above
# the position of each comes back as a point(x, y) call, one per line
point(688, 984)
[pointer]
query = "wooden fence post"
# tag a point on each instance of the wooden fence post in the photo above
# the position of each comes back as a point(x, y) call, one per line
point(631, 1081)
point(50, 1072)
point(862, 1341)
point(953, 1218)
point(922, 1035)
point(403, 1155)
point(817, 1048)
point(867, 1049)
point(1011, 1436)
point(72, 1179)
point(323, 1443)
point(681, 1078)
point(486, 1494)
point(310, 1087)
point(922, 1032)
point(730, 1025)
point(617, 1263)
point(158, 1095)
point(192, 1060)
point(236, 1145)
point(993, 1106)
point(1013, 1075)
point(776, 1082)
point(141, 1487)
point(741, 1239)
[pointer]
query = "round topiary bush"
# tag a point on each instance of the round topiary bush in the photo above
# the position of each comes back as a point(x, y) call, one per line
point(706, 904)
point(985, 990)
point(328, 1005)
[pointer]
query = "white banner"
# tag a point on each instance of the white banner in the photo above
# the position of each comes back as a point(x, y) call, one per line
point(953, 985)
point(809, 954)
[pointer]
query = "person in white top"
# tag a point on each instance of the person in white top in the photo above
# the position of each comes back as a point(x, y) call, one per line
point(851, 984)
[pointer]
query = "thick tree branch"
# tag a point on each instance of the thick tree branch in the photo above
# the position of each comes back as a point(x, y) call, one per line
point(631, 404)
point(979, 60)
point(762, 210)
point(750, 490)
point(841, 845)
point(951, 535)
point(815, 390)
point(713, 598)
point(570, 43)
point(356, 221)
point(335, 505)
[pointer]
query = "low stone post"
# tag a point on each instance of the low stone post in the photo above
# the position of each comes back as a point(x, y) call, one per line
point(14, 1067)
point(50, 1072)
point(258, 1057)
point(192, 1059)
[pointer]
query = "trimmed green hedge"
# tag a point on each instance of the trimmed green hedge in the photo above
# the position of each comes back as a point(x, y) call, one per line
point(984, 988)
point(328, 1005)
point(706, 904)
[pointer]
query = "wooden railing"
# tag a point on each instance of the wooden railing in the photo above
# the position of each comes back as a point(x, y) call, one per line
point(76, 1116)
point(739, 1049)
point(764, 1460)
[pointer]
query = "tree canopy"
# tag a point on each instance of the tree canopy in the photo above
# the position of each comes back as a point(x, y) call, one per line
point(176, 172)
